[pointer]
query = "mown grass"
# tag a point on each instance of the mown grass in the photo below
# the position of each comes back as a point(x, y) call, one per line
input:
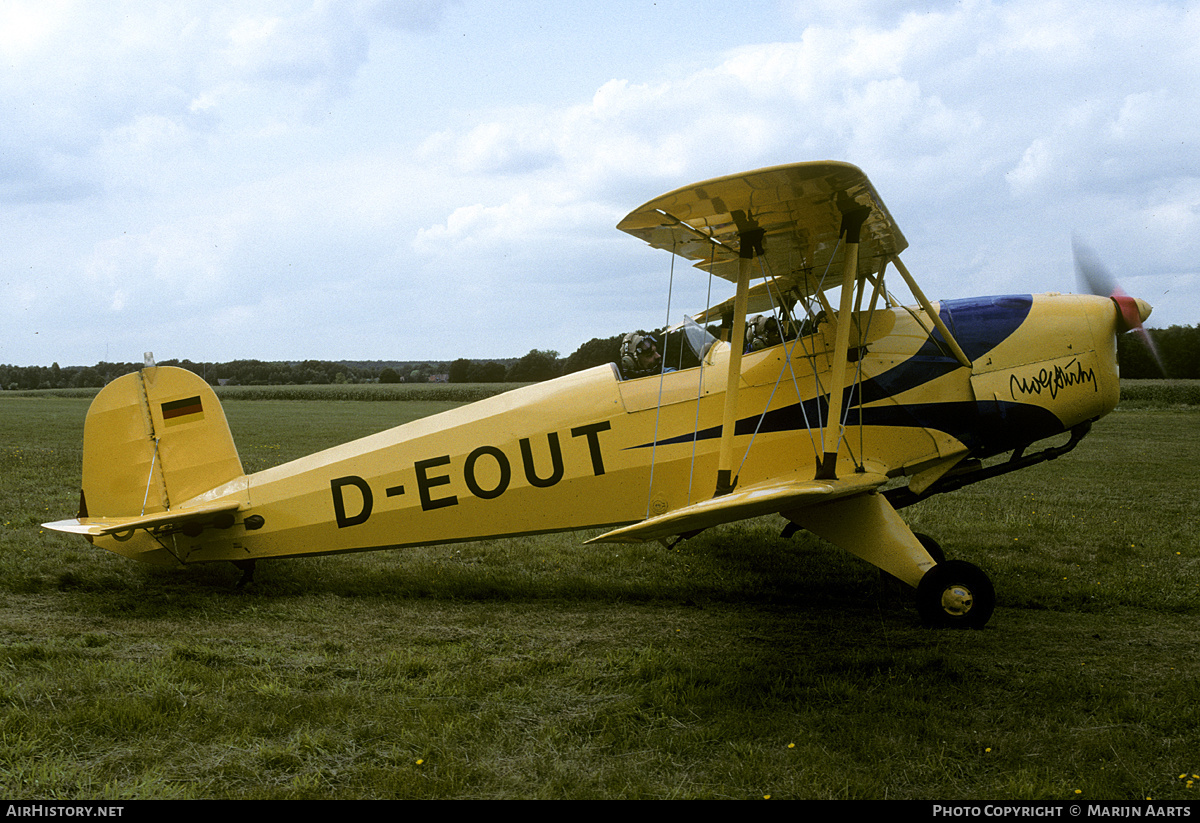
point(737, 664)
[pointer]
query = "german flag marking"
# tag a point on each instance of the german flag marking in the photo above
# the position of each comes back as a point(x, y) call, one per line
point(188, 410)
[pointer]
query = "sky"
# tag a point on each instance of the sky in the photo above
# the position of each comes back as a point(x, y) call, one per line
point(435, 179)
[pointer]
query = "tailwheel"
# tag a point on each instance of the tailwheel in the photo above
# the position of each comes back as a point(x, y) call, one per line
point(955, 594)
point(247, 569)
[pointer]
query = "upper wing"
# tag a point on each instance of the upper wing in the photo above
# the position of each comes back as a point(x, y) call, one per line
point(753, 501)
point(799, 207)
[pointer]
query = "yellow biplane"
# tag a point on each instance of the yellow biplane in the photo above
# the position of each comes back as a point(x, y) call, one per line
point(859, 407)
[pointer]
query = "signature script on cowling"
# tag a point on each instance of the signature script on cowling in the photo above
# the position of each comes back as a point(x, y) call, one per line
point(1062, 377)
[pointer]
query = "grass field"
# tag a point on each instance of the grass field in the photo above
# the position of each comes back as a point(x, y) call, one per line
point(736, 665)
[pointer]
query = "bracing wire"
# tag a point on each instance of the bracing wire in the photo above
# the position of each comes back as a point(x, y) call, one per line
point(661, 376)
point(150, 476)
point(789, 359)
point(788, 366)
point(877, 287)
point(766, 407)
point(811, 356)
point(700, 385)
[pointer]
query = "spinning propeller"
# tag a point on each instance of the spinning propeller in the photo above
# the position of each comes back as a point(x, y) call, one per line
point(1131, 311)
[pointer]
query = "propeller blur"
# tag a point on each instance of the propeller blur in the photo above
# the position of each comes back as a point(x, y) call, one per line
point(1094, 278)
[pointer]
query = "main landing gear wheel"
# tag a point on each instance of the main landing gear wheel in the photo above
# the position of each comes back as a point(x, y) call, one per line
point(955, 594)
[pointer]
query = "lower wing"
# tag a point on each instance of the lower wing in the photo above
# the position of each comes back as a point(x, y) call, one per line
point(741, 504)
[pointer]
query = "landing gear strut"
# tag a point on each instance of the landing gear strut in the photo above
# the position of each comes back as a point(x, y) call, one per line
point(952, 593)
point(931, 546)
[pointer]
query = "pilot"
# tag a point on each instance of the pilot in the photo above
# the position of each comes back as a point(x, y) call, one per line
point(763, 331)
point(639, 356)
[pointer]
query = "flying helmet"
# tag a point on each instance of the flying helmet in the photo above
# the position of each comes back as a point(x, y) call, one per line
point(633, 344)
point(762, 330)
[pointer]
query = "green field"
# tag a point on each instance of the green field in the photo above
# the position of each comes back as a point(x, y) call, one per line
point(736, 665)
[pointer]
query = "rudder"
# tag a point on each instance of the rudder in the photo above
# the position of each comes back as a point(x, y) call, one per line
point(152, 441)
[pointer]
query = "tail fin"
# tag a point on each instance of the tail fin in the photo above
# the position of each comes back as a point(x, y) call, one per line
point(152, 441)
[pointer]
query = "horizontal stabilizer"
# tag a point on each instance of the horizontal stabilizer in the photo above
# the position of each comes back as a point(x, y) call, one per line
point(198, 517)
point(752, 501)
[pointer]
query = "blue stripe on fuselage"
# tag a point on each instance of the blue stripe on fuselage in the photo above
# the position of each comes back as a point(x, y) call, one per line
point(979, 324)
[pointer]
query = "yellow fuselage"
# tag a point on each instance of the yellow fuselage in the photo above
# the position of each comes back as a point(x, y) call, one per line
point(588, 450)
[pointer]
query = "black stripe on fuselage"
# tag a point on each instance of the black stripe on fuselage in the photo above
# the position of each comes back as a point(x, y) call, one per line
point(979, 325)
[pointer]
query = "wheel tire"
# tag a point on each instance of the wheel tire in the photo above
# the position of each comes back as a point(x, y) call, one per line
point(955, 594)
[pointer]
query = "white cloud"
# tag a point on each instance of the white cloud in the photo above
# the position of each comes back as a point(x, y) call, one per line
point(1037, 164)
point(239, 159)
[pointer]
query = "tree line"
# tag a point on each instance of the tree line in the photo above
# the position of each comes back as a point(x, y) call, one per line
point(1178, 346)
point(235, 372)
point(535, 366)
